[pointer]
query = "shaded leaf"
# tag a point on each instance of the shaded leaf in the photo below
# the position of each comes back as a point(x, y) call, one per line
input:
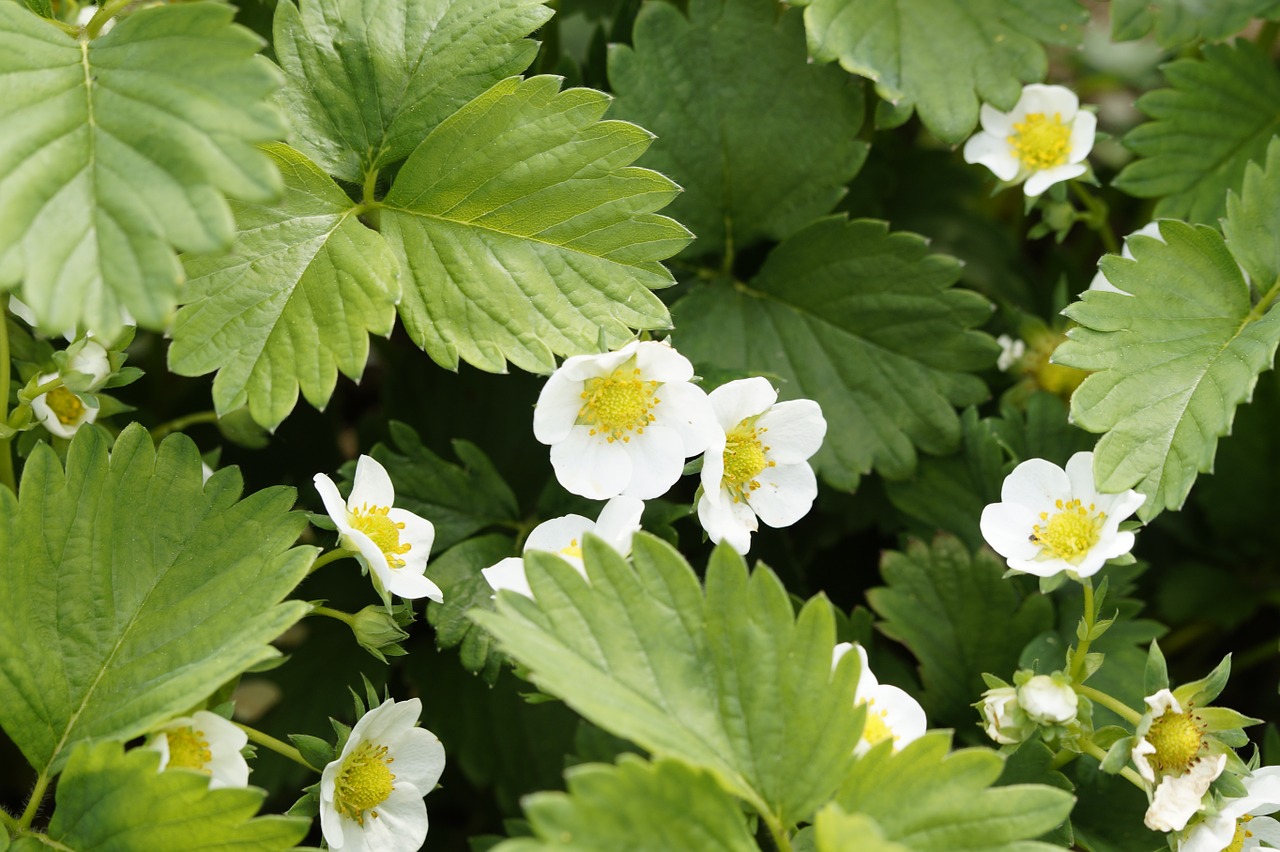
point(457, 573)
point(1177, 22)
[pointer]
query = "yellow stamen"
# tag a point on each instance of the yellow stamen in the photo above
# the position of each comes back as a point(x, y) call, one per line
point(65, 405)
point(1041, 142)
point(876, 730)
point(188, 749)
point(363, 782)
point(1069, 533)
point(573, 550)
point(1242, 834)
point(384, 532)
point(1177, 738)
point(745, 458)
point(618, 404)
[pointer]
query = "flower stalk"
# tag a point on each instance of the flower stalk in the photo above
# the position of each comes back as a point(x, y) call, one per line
point(1097, 696)
point(278, 746)
point(6, 453)
point(1090, 619)
point(1095, 751)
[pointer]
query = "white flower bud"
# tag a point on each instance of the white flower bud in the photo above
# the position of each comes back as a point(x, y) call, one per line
point(1048, 700)
point(1003, 720)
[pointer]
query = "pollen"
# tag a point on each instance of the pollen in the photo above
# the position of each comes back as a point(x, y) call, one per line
point(374, 522)
point(618, 404)
point(875, 730)
point(65, 405)
point(574, 550)
point(363, 782)
point(1070, 532)
point(745, 458)
point(1177, 738)
point(1041, 142)
point(1242, 834)
point(188, 749)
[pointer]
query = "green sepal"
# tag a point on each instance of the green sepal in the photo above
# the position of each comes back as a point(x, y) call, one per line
point(1219, 719)
point(308, 806)
point(1156, 675)
point(1118, 756)
point(1200, 693)
point(315, 751)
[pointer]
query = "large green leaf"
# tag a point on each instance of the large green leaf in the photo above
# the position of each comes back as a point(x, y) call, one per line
point(733, 681)
point(291, 304)
point(1177, 22)
point(942, 603)
point(750, 170)
point(109, 800)
point(117, 150)
point(941, 56)
point(1219, 114)
point(457, 573)
point(524, 233)
point(1175, 358)
point(866, 323)
point(636, 806)
point(141, 589)
point(369, 79)
point(930, 799)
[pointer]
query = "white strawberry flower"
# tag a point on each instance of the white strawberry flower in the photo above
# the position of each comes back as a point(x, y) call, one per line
point(892, 714)
point(1043, 140)
point(203, 742)
point(63, 411)
point(1241, 824)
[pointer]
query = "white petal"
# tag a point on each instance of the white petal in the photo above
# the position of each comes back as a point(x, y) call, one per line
point(659, 362)
point(1103, 284)
point(91, 360)
point(228, 766)
point(1179, 797)
point(160, 743)
point(785, 495)
point(1045, 178)
point(1266, 830)
point(411, 586)
point(418, 533)
point(589, 466)
point(1080, 475)
point(582, 367)
point(1083, 130)
point(994, 153)
point(384, 722)
point(401, 823)
point(333, 502)
point(332, 827)
point(1163, 702)
point(372, 485)
point(686, 409)
point(557, 534)
point(1039, 567)
point(1264, 791)
point(867, 681)
point(508, 574)
point(727, 521)
point(557, 408)
point(1048, 100)
point(419, 758)
point(1212, 835)
point(657, 460)
point(619, 521)
point(795, 430)
point(22, 312)
point(735, 401)
point(905, 717)
point(1007, 527)
point(994, 122)
point(1035, 484)
point(1139, 758)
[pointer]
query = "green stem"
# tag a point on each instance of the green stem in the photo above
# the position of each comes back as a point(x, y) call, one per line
point(1097, 218)
point(41, 390)
point(331, 556)
point(1093, 750)
point(6, 454)
point(1097, 696)
point(10, 822)
point(178, 424)
point(778, 833)
point(345, 617)
point(1266, 39)
point(278, 746)
point(1090, 618)
point(33, 805)
point(105, 12)
point(370, 186)
point(1062, 758)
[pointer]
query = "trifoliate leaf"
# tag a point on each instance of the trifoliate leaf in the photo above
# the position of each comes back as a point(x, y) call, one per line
point(928, 800)
point(866, 323)
point(941, 603)
point(731, 681)
point(1177, 22)
point(943, 56)
point(523, 233)
point(636, 806)
point(750, 171)
point(141, 589)
point(118, 150)
point(368, 80)
point(457, 573)
point(294, 301)
point(1176, 357)
point(110, 800)
point(1219, 114)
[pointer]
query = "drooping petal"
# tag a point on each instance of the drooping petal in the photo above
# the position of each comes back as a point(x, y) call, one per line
point(334, 505)
point(1007, 527)
point(1083, 131)
point(1212, 835)
point(993, 152)
point(657, 460)
point(726, 521)
point(1179, 797)
point(659, 362)
point(785, 495)
point(590, 466)
point(1039, 181)
point(619, 521)
point(508, 574)
point(735, 401)
point(686, 409)
point(795, 430)
point(559, 403)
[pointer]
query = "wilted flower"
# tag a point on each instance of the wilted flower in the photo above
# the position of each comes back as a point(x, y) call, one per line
point(204, 742)
point(1041, 141)
point(1180, 797)
point(891, 713)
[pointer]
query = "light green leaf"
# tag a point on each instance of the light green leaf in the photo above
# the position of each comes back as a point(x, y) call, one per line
point(636, 806)
point(525, 234)
point(1175, 358)
point(368, 80)
point(294, 301)
point(142, 590)
point(928, 800)
point(866, 323)
point(942, 56)
point(1177, 22)
point(942, 603)
point(116, 151)
point(837, 831)
point(732, 682)
point(750, 171)
point(110, 800)
point(1219, 114)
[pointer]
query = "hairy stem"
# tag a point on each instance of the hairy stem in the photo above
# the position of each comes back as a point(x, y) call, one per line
point(278, 746)
point(33, 805)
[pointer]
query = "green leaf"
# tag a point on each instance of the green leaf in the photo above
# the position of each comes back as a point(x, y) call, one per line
point(1177, 22)
point(142, 590)
point(1174, 359)
point(636, 806)
point(457, 573)
point(367, 81)
point(292, 303)
point(931, 801)
point(942, 604)
point(749, 174)
point(942, 56)
point(458, 500)
point(1219, 114)
point(118, 150)
point(110, 800)
point(524, 233)
point(732, 682)
point(837, 831)
point(866, 323)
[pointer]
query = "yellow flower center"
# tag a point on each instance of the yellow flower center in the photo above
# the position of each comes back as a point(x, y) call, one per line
point(574, 550)
point(382, 531)
point(744, 459)
point(1177, 738)
point(1070, 532)
point(876, 730)
point(65, 405)
point(188, 749)
point(618, 404)
point(1242, 834)
point(363, 782)
point(1041, 142)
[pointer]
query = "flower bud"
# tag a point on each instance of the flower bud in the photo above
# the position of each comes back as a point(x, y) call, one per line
point(1003, 720)
point(378, 632)
point(1048, 699)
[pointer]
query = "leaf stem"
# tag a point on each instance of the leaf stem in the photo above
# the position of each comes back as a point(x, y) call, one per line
point(370, 186)
point(1082, 650)
point(278, 746)
point(6, 454)
point(1095, 751)
point(778, 834)
point(1124, 711)
point(1097, 217)
point(344, 617)
point(332, 556)
point(10, 822)
point(105, 12)
point(33, 805)
point(178, 424)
